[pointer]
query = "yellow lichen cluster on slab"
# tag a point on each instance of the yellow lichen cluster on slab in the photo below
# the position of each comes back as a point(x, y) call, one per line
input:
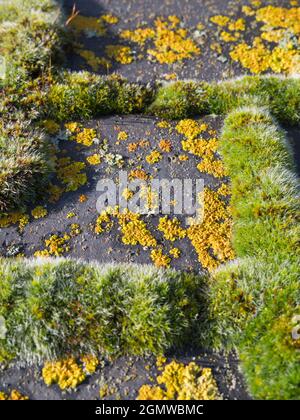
point(68, 373)
point(211, 237)
point(201, 147)
point(182, 382)
point(15, 395)
point(276, 48)
point(171, 42)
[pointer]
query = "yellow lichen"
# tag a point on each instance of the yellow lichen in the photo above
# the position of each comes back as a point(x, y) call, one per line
point(55, 246)
point(122, 136)
point(85, 137)
point(182, 382)
point(175, 252)
point(159, 259)
point(138, 174)
point(153, 157)
point(65, 373)
point(211, 237)
point(171, 228)
point(39, 212)
point(213, 167)
point(94, 159)
point(15, 395)
point(163, 124)
point(110, 19)
point(220, 20)
point(120, 53)
point(90, 363)
point(12, 218)
point(139, 35)
point(70, 173)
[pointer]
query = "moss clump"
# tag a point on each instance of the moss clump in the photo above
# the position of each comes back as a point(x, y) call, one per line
point(83, 95)
point(32, 35)
point(25, 165)
point(54, 308)
point(179, 100)
point(253, 300)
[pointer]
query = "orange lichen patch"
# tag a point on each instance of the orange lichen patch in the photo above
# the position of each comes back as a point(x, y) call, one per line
point(138, 174)
point(182, 382)
point(165, 145)
point(134, 230)
point(200, 147)
point(120, 53)
point(70, 173)
point(139, 35)
point(159, 259)
point(212, 166)
point(143, 144)
point(94, 159)
point(55, 246)
point(13, 396)
point(171, 44)
point(132, 147)
point(211, 238)
point(13, 218)
point(82, 198)
point(259, 58)
point(171, 228)
point(93, 60)
point(65, 373)
point(153, 157)
point(183, 158)
point(190, 128)
point(39, 212)
point(88, 24)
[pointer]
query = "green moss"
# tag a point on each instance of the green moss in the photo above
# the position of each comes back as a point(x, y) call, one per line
point(25, 165)
point(179, 100)
point(56, 307)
